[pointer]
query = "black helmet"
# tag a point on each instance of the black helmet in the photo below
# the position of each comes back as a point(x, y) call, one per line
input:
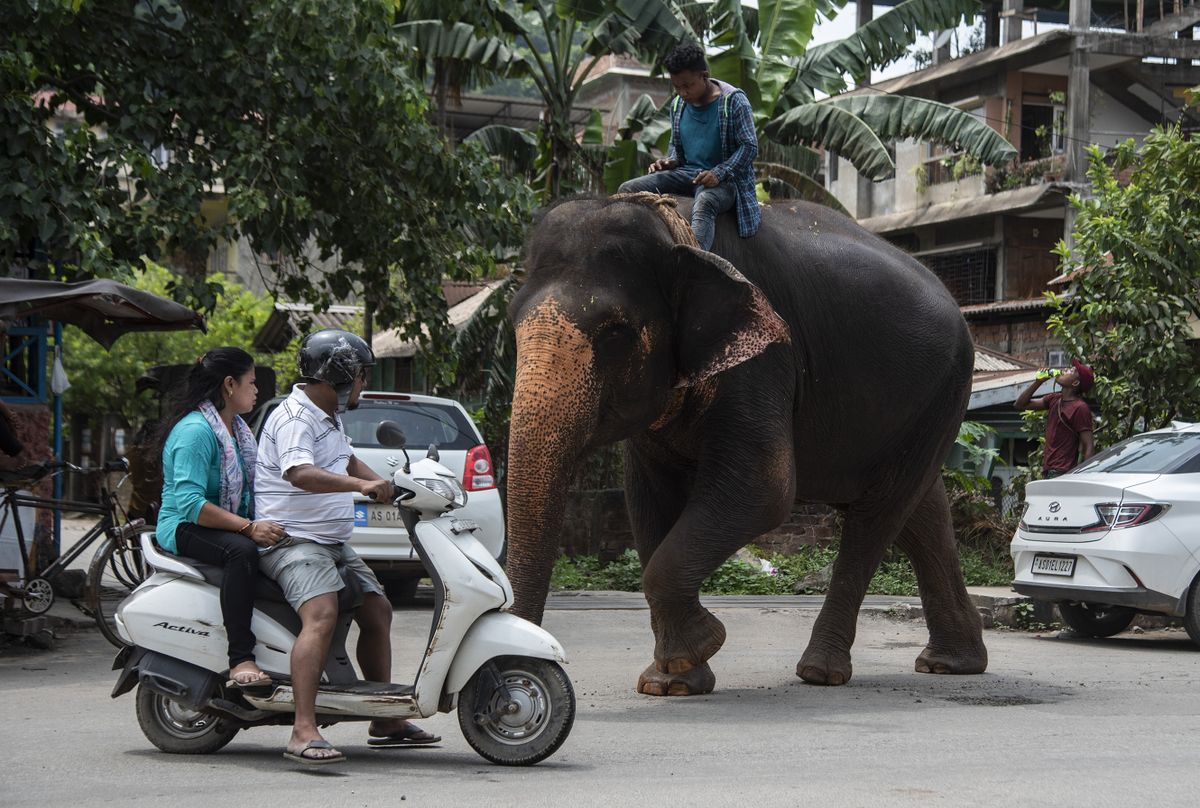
point(336, 358)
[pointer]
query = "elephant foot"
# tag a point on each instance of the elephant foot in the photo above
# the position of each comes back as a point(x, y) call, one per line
point(681, 678)
point(932, 660)
point(819, 666)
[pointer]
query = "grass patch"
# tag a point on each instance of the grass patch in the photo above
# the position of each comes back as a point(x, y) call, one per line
point(895, 575)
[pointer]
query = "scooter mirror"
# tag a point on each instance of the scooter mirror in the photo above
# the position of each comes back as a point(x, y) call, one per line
point(389, 435)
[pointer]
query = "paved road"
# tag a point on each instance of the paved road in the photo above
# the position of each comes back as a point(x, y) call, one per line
point(1054, 722)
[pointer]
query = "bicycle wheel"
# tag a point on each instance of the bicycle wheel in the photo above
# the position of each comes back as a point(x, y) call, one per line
point(116, 570)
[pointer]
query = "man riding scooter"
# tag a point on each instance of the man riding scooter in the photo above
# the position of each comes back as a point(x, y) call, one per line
point(306, 479)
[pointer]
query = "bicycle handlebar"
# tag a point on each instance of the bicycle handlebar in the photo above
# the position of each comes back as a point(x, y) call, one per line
point(40, 471)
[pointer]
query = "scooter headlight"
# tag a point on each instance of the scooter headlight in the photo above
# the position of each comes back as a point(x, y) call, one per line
point(448, 488)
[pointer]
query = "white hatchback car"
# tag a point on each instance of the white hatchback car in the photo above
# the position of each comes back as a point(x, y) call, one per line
point(1118, 535)
point(379, 537)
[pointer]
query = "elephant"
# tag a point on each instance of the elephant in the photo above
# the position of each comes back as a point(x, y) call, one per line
point(828, 366)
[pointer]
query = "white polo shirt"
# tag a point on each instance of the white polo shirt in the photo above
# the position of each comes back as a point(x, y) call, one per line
point(299, 433)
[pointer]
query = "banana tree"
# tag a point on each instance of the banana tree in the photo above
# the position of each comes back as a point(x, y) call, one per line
point(553, 43)
point(766, 52)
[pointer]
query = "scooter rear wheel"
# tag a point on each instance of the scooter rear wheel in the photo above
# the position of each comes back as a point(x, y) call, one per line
point(175, 729)
point(530, 727)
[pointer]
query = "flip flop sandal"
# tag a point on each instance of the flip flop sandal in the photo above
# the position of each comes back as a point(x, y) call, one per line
point(300, 757)
point(405, 737)
point(261, 679)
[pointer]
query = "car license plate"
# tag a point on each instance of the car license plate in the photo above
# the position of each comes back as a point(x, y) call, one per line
point(382, 516)
point(1054, 565)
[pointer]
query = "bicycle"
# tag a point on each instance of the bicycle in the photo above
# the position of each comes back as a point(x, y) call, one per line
point(115, 570)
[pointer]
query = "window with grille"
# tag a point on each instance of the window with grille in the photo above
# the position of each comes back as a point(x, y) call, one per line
point(970, 275)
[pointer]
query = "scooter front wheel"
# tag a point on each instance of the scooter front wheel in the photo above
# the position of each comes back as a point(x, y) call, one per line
point(517, 711)
point(174, 728)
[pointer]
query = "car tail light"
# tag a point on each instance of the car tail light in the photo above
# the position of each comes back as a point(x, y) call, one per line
point(1114, 516)
point(477, 471)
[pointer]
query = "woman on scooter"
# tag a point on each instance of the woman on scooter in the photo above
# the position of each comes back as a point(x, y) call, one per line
point(208, 456)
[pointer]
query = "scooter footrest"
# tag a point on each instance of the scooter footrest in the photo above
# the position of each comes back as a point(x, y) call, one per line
point(367, 689)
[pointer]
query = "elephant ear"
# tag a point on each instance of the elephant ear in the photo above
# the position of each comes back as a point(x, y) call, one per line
point(721, 318)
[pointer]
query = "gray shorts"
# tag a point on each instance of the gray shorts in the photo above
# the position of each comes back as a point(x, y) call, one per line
point(306, 569)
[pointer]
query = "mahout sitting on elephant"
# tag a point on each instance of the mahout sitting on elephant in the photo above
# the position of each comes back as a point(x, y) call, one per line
point(829, 367)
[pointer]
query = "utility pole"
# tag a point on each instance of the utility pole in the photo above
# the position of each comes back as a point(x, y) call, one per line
point(1078, 133)
point(865, 12)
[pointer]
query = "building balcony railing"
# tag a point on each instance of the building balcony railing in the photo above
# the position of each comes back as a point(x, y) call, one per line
point(1031, 172)
point(950, 168)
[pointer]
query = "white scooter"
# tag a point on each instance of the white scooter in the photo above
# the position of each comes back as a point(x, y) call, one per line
point(515, 702)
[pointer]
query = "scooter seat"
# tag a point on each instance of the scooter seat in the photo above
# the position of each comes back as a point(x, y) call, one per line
point(265, 589)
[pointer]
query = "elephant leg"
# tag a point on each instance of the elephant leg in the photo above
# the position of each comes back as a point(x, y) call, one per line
point(656, 491)
point(865, 537)
point(687, 635)
point(955, 630)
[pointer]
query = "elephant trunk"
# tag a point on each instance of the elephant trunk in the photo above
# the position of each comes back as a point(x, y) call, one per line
point(553, 415)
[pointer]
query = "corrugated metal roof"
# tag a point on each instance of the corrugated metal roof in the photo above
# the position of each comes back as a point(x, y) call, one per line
point(391, 345)
point(989, 361)
point(289, 320)
point(1004, 307)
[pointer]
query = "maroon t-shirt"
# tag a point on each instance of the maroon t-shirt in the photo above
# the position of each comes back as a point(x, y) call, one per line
point(1064, 421)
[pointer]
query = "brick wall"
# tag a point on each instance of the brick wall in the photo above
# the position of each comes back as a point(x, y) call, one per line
point(1027, 340)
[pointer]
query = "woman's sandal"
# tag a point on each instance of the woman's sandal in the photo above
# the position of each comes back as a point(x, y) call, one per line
point(249, 679)
point(300, 756)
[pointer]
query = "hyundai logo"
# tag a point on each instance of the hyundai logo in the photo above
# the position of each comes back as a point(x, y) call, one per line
point(1055, 507)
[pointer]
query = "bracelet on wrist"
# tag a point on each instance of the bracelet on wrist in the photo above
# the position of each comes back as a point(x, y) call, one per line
point(242, 529)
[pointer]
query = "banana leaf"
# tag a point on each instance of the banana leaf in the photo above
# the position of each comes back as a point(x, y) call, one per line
point(435, 40)
point(886, 38)
point(856, 126)
point(626, 159)
point(516, 148)
point(797, 185)
point(799, 158)
point(784, 30)
point(839, 131)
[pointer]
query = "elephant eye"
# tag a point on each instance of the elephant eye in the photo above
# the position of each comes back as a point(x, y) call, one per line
point(614, 340)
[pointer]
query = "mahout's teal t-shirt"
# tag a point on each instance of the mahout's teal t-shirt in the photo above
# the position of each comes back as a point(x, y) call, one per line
point(700, 135)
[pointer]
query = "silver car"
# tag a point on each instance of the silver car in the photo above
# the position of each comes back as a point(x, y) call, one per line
point(379, 537)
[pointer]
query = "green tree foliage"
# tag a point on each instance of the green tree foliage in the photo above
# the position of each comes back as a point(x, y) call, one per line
point(105, 381)
point(1132, 310)
point(294, 123)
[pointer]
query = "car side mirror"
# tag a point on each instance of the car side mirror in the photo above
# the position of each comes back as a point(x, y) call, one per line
point(389, 435)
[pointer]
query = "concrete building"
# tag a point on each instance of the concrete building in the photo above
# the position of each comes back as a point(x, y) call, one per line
point(1111, 74)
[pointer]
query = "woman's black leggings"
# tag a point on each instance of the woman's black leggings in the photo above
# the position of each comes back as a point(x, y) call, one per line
point(239, 556)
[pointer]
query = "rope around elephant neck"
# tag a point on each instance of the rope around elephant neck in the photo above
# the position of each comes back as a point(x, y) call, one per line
point(665, 206)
